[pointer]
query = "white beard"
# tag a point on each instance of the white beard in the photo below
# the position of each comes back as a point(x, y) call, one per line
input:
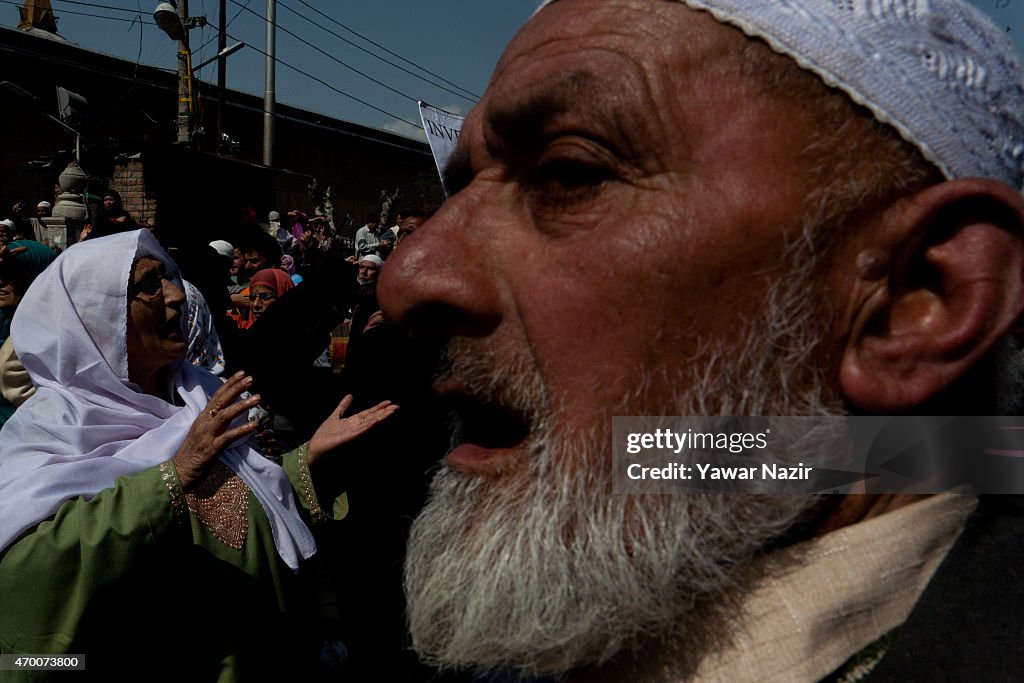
point(544, 570)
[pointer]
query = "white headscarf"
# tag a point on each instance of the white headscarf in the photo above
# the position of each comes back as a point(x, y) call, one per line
point(87, 424)
point(204, 349)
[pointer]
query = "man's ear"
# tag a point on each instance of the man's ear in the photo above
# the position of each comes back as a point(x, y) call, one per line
point(945, 284)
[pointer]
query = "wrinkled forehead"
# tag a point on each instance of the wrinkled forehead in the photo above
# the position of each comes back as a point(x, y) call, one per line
point(939, 72)
point(648, 34)
point(634, 70)
point(637, 64)
point(144, 265)
point(263, 287)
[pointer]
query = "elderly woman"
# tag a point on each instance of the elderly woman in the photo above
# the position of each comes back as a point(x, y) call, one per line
point(137, 524)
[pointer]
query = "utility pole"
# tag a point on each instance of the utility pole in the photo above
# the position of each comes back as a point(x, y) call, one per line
point(268, 89)
point(185, 102)
point(222, 62)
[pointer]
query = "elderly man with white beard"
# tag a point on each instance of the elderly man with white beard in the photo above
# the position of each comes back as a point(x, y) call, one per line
point(719, 207)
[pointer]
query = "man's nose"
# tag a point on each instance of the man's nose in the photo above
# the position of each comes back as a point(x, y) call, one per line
point(444, 280)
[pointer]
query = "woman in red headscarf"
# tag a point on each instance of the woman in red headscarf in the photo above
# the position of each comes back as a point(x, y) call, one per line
point(265, 287)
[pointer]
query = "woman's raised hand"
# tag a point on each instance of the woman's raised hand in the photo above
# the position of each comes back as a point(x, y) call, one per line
point(211, 431)
point(6, 253)
point(338, 429)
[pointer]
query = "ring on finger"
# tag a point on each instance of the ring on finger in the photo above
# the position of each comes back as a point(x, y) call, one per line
point(214, 411)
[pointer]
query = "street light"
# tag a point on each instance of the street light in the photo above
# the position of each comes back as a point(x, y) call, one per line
point(166, 17)
point(173, 19)
point(226, 52)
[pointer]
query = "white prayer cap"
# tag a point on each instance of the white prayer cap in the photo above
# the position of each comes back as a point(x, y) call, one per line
point(8, 222)
point(374, 259)
point(44, 205)
point(223, 248)
point(274, 216)
point(938, 71)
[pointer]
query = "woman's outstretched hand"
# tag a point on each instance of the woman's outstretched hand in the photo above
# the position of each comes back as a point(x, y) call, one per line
point(211, 432)
point(7, 254)
point(338, 429)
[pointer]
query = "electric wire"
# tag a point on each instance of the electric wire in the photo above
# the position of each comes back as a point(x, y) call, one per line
point(393, 54)
point(331, 87)
point(276, 59)
point(131, 88)
point(469, 97)
point(335, 59)
point(228, 23)
point(99, 6)
point(81, 14)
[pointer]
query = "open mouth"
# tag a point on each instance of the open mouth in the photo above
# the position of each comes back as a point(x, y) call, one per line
point(172, 330)
point(499, 408)
point(487, 424)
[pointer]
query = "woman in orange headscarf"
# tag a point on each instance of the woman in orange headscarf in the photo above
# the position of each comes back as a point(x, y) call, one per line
point(265, 287)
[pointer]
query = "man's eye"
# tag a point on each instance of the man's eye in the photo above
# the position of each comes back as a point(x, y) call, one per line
point(570, 175)
point(572, 168)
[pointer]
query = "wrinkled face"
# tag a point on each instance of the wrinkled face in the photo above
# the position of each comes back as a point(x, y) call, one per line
point(366, 272)
point(260, 297)
point(255, 261)
point(610, 188)
point(155, 337)
point(621, 207)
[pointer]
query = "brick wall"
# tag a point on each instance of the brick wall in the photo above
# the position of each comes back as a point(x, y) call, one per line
point(129, 180)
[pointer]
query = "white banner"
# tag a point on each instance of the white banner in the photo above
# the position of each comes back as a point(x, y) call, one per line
point(443, 129)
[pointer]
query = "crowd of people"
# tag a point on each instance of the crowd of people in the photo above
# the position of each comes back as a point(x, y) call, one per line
point(20, 226)
point(106, 215)
point(212, 466)
point(222, 381)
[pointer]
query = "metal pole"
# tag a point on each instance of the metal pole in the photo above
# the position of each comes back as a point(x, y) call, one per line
point(222, 61)
point(184, 80)
point(268, 90)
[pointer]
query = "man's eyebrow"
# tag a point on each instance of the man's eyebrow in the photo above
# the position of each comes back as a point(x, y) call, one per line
point(517, 126)
point(520, 121)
